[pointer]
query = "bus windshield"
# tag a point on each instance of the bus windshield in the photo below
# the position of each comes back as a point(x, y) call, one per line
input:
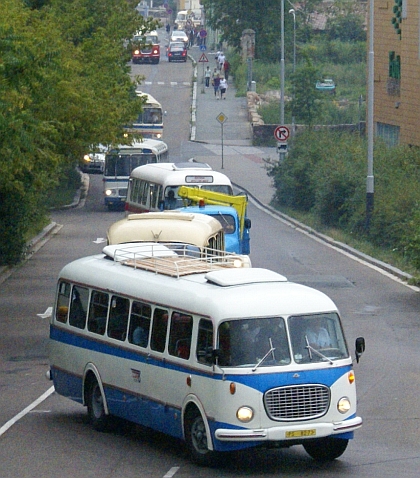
point(264, 342)
point(123, 164)
point(150, 116)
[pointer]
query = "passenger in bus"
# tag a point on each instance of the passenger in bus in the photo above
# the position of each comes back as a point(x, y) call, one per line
point(140, 336)
point(317, 335)
point(170, 201)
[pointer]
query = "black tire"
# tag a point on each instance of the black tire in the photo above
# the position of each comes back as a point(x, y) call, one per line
point(197, 440)
point(326, 449)
point(99, 420)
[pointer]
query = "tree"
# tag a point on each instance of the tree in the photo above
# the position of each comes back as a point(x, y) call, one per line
point(64, 85)
point(306, 103)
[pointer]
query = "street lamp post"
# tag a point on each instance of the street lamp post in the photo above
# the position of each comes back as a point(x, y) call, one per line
point(281, 152)
point(293, 12)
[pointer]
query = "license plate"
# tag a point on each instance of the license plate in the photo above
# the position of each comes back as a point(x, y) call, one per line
point(301, 433)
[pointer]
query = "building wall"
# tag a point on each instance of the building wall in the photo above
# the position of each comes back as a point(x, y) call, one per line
point(397, 102)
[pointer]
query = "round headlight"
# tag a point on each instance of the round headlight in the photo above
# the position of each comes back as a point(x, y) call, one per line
point(108, 192)
point(245, 414)
point(343, 405)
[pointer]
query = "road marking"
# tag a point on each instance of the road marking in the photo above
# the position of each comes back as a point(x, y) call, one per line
point(24, 412)
point(171, 472)
point(170, 83)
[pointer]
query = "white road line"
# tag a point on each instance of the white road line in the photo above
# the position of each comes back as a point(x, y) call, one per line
point(30, 407)
point(171, 472)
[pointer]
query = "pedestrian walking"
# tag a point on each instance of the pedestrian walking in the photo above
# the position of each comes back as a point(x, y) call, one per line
point(226, 69)
point(223, 87)
point(216, 85)
point(207, 75)
point(222, 59)
point(216, 58)
point(168, 28)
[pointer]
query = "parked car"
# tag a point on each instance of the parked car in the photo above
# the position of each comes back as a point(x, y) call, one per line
point(177, 51)
point(94, 162)
point(327, 84)
point(179, 35)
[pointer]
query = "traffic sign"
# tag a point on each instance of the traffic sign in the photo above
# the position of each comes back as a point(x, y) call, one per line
point(203, 59)
point(203, 47)
point(221, 118)
point(282, 133)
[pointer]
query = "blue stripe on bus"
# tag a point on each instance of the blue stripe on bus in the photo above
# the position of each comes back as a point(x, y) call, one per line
point(259, 381)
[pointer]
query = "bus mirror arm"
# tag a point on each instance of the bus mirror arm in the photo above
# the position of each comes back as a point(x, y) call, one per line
point(360, 347)
point(216, 354)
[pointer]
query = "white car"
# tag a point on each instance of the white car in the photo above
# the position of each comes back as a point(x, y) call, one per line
point(94, 162)
point(179, 35)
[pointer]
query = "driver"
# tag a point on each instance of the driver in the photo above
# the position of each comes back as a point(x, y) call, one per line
point(317, 335)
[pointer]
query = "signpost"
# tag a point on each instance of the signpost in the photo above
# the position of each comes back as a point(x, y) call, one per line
point(222, 118)
point(203, 59)
point(281, 134)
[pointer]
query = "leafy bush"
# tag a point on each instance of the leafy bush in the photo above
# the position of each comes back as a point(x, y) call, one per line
point(325, 175)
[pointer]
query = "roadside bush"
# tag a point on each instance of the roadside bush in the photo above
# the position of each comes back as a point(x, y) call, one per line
point(324, 174)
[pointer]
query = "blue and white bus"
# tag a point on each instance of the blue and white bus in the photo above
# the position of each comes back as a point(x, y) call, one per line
point(120, 161)
point(207, 350)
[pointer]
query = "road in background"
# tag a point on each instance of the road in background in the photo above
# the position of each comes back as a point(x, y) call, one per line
point(55, 440)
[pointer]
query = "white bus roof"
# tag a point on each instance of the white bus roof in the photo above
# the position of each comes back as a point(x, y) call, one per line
point(153, 144)
point(150, 100)
point(197, 173)
point(168, 226)
point(219, 293)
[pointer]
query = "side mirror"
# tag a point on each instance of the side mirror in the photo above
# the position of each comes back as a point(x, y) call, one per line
point(360, 347)
point(247, 223)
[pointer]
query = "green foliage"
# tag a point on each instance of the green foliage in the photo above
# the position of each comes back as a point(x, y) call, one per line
point(325, 175)
point(64, 85)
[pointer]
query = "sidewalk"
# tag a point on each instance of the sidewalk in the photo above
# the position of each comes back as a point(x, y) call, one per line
point(232, 154)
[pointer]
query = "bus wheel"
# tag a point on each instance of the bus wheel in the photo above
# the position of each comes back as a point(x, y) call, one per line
point(196, 438)
point(95, 406)
point(326, 449)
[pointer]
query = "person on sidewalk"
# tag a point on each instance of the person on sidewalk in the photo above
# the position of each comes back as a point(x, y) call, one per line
point(207, 75)
point(222, 59)
point(216, 85)
point(223, 87)
point(226, 68)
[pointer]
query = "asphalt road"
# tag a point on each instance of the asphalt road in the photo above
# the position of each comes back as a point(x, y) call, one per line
point(53, 439)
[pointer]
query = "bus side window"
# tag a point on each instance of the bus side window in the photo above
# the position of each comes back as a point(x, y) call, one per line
point(140, 324)
point(118, 318)
point(78, 307)
point(63, 299)
point(144, 193)
point(205, 342)
point(159, 328)
point(180, 335)
point(98, 311)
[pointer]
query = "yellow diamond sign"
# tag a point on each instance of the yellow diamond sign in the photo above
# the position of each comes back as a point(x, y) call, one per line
point(221, 118)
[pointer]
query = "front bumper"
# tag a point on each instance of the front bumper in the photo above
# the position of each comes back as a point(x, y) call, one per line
point(290, 432)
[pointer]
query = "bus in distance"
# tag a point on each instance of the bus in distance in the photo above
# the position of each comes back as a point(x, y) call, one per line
point(149, 123)
point(146, 48)
point(223, 356)
point(120, 161)
point(155, 187)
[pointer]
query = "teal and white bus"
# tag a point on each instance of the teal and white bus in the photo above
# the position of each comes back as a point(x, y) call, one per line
point(205, 349)
point(120, 161)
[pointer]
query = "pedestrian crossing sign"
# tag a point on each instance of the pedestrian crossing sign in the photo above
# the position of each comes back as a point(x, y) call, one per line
point(203, 59)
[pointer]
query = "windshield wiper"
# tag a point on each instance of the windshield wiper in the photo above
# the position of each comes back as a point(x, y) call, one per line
point(317, 352)
point(270, 351)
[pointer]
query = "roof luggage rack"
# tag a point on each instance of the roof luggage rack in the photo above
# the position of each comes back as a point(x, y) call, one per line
point(173, 259)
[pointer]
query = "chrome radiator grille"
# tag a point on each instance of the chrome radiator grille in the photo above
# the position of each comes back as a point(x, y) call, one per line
point(297, 402)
